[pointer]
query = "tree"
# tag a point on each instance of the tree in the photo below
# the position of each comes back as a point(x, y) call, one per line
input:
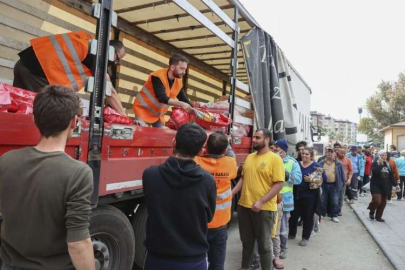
point(387, 105)
point(369, 126)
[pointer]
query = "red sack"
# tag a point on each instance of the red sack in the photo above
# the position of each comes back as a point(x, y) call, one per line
point(16, 100)
point(178, 117)
point(112, 116)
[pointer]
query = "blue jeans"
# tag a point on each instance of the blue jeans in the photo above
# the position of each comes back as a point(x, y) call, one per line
point(330, 199)
point(154, 263)
point(217, 252)
point(157, 124)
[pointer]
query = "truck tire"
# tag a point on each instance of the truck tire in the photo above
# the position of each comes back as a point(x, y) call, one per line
point(139, 226)
point(113, 239)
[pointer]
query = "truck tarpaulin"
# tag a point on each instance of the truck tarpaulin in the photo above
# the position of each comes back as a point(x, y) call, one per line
point(260, 53)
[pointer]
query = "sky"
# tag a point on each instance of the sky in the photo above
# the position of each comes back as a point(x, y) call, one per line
point(342, 49)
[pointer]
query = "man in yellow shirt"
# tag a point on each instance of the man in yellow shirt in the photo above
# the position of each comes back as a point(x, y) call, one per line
point(262, 179)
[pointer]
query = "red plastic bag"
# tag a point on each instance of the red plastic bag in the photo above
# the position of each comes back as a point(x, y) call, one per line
point(218, 122)
point(178, 117)
point(16, 100)
point(112, 116)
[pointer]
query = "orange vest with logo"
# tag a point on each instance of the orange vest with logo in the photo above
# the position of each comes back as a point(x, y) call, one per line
point(60, 57)
point(146, 106)
point(223, 170)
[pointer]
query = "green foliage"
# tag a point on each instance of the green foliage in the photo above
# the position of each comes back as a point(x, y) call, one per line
point(387, 105)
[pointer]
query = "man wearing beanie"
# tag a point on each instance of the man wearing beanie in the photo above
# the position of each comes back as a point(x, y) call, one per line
point(287, 205)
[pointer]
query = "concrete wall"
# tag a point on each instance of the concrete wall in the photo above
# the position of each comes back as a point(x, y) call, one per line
point(396, 133)
point(387, 139)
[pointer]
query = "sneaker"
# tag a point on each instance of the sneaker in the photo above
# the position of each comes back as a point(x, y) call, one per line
point(362, 195)
point(340, 214)
point(283, 255)
point(390, 201)
point(355, 198)
point(371, 216)
point(303, 243)
point(400, 199)
point(313, 233)
point(291, 237)
point(335, 219)
point(317, 229)
point(351, 202)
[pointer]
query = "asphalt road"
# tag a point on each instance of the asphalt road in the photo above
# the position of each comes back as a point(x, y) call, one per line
point(346, 245)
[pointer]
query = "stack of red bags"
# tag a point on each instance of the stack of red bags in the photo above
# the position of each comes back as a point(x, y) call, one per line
point(15, 100)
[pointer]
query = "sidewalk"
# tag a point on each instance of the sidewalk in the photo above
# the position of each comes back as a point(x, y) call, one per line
point(390, 235)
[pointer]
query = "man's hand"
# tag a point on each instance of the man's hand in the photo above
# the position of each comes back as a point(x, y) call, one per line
point(185, 106)
point(359, 178)
point(257, 206)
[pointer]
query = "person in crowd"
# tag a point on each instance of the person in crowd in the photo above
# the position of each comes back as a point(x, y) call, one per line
point(347, 165)
point(63, 59)
point(375, 154)
point(175, 191)
point(367, 171)
point(45, 194)
point(293, 171)
point(337, 146)
point(360, 151)
point(324, 156)
point(382, 178)
point(358, 171)
point(306, 200)
point(395, 171)
point(271, 146)
point(335, 182)
point(346, 148)
point(223, 169)
point(160, 91)
point(394, 154)
point(299, 147)
point(401, 169)
point(262, 179)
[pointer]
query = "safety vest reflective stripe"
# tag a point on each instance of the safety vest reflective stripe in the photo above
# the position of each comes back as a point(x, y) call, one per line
point(224, 195)
point(64, 62)
point(223, 206)
point(144, 104)
point(152, 99)
point(288, 185)
point(78, 63)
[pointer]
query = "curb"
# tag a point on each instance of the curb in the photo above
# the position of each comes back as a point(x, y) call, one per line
point(374, 238)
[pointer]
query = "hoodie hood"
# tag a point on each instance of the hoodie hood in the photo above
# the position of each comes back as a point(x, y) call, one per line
point(181, 173)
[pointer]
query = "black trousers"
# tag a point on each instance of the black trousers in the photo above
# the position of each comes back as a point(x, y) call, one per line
point(401, 194)
point(304, 207)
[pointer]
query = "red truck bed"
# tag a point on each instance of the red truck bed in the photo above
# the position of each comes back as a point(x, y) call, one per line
point(123, 160)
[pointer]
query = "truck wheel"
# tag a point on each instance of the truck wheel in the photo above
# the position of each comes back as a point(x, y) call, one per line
point(139, 226)
point(113, 239)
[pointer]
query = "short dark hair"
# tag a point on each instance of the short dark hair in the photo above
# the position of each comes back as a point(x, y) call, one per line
point(299, 144)
point(118, 45)
point(336, 144)
point(190, 139)
point(266, 133)
point(271, 143)
point(54, 107)
point(393, 147)
point(367, 152)
point(217, 143)
point(175, 59)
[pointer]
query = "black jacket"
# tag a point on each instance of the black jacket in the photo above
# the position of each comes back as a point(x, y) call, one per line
point(180, 198)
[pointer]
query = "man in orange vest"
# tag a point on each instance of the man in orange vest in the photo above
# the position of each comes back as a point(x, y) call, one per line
point(62, 59)
point(223, 169)
point(160, 92)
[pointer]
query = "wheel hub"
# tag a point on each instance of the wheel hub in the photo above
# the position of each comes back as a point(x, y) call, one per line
point(101, 254)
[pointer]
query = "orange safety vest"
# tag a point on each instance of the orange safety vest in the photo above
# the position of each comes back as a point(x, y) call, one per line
point(61, 58)
point(146, 106)
point(223, 170)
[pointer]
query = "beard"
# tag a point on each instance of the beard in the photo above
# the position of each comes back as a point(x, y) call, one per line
point(177, 75)
point(259, 146)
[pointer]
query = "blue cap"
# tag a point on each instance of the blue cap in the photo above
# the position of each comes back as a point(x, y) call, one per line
point(283, 144)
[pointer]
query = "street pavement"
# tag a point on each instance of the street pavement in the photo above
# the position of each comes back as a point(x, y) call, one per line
point(389, 235)
point(346, 245)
